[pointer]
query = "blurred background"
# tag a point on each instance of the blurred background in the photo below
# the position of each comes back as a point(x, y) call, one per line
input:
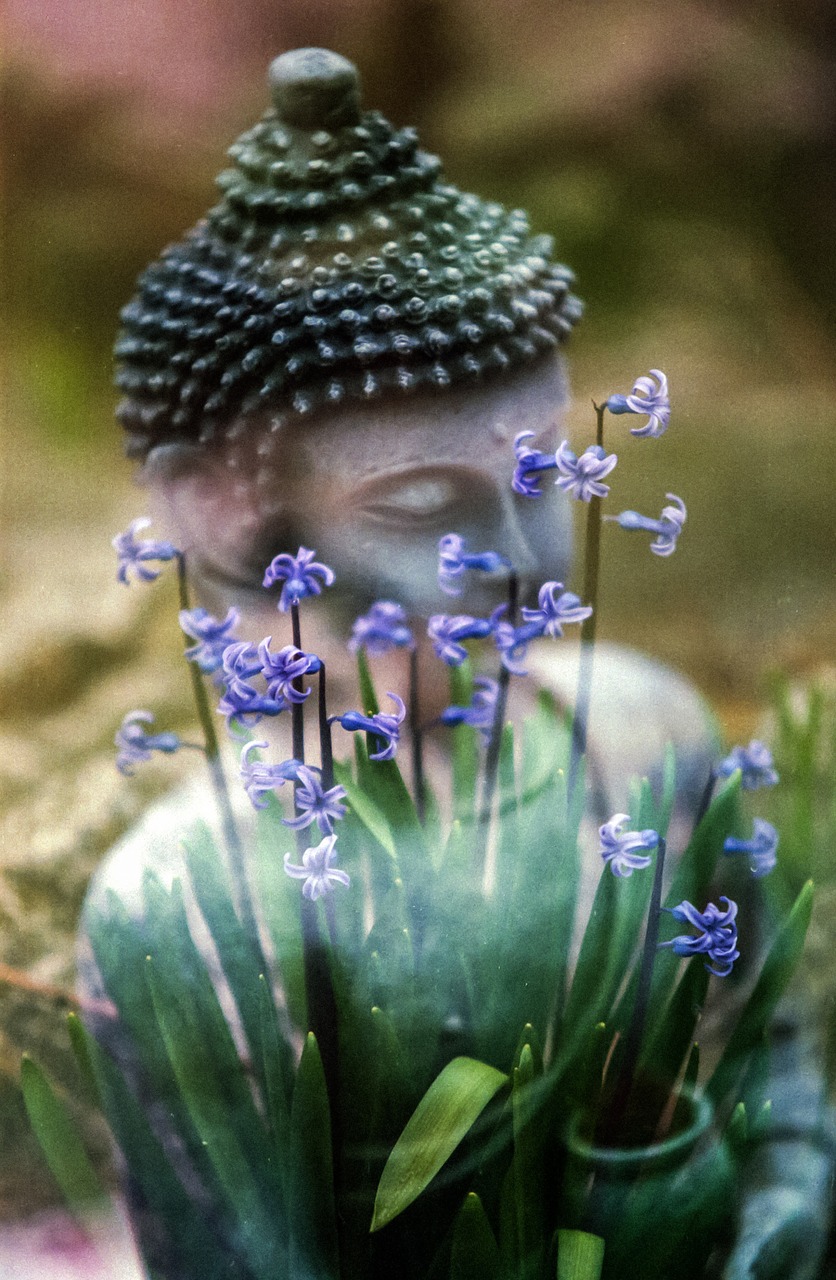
point(682, 156)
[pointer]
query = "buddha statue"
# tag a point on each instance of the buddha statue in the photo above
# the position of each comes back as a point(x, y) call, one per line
point(340, 355)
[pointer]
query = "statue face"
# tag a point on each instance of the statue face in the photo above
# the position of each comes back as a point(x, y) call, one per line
point(371, 490)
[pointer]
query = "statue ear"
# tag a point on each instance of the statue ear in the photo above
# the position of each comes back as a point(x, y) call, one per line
point(170, 462)
point(226, 504)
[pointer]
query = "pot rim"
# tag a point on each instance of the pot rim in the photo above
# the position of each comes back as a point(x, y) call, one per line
point(680, 1143)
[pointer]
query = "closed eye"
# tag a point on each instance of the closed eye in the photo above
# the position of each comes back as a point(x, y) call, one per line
point(417, 501)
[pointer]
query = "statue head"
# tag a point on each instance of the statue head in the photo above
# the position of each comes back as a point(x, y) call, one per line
point(340, 355)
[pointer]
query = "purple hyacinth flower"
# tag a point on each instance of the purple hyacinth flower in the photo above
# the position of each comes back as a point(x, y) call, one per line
point(717, 938)
point(650, 397)
point(512, 645)
point(454, 559)
point(380, 725)
point(619, 848)
point(260, 778)
point(213, 637)
point(317, 869)
point(447, 631)
point(482, 710)
point(240, 662)
point(381, 629)
point(755, 764)
point(133, 555)
point(299, 574)
point(582, 476)
point(557, 609)
point(667, 528)
point(282, 668)
point(529, 463)
point(135, 745)
point(314, 804)
point(243, 707)
point(762, 848)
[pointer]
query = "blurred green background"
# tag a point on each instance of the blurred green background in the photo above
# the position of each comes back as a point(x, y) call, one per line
point(681, 155)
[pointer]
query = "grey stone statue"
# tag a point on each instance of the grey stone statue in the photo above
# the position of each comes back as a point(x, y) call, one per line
point(339, 356)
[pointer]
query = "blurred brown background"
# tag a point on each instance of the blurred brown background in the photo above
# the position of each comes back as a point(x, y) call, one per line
point(681, 154)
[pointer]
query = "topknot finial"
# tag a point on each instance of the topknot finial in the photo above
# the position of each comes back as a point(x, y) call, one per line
point(315, 88)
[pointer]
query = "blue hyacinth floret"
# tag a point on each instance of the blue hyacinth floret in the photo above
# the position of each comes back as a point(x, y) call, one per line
point(717, 937)
point(261, 779)
point(583, 476)
point(136, 745)
point(454, 560)
point(300, 577)
point(213, 636)
point(649, 396)
point(762, 848)
point(667, 528)
point(381, 725)
point(383, 628)
point(313, 804)
point(136, 555)
point(620, 849)
point(318, 870)
point(757, 768)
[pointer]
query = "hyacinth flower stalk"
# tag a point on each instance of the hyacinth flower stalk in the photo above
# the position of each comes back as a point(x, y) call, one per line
point(454, 561)
point(382, 629)
point(234, 844)
point(302, 576)
point(134, 555)
point(591, 575)
point(323, 799)
point(503, 681)
point(614, 1115)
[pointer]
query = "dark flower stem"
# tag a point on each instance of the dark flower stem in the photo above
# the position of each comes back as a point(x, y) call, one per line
point(297, 719)
point(705, 800)
point(632, 1043)
point(417, 737)
point(592, 560)
point(326, 751)
point(319, 990)
point(235, 849)
point(495, 740)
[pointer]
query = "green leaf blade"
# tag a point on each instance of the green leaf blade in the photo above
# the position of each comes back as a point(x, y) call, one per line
point(215, 1094)
point(59, 1140)
point(314, 1249)
point(475, 1254)
point(781, 960)
point(580, 1256)
point(199, 1251)
point(448, 1110)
